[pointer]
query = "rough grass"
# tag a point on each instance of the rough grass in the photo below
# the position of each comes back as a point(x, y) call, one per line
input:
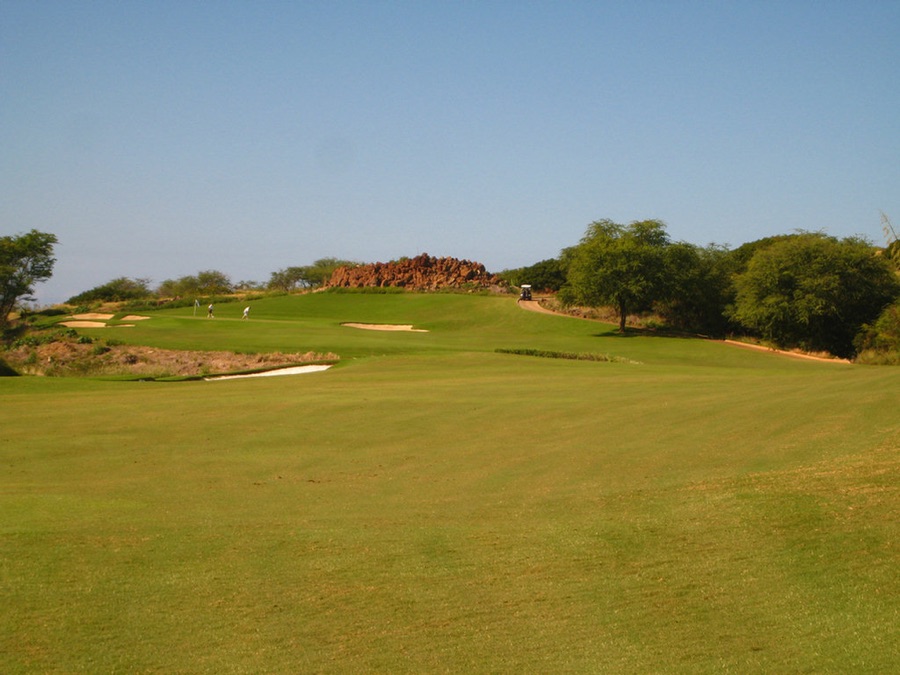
point(442, 507)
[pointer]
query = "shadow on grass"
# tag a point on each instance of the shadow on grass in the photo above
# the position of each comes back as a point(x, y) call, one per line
point(654, 333)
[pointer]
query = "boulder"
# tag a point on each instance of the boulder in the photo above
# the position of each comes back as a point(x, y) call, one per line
point(422, 273)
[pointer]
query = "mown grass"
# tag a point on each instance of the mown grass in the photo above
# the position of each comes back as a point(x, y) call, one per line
point(432, 505)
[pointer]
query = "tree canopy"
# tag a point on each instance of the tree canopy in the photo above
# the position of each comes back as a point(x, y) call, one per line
point(121, 288)
point(618, 265)
point(207, 282)
point(307, 276)
point(25, 259)
point(546, 275)
point(814, 291)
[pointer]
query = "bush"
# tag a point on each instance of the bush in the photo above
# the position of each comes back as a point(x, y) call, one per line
point(879, 343)
point(572, 356)
point(814, 292)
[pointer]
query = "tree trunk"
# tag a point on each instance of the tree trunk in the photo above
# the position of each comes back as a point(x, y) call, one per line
point(623, 312)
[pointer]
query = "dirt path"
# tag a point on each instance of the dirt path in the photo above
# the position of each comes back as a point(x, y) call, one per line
point(535, 306)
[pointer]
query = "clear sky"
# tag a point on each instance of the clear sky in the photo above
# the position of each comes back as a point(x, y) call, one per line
point(158, 139)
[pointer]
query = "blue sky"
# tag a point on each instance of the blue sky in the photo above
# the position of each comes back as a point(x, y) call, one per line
point(158, 139)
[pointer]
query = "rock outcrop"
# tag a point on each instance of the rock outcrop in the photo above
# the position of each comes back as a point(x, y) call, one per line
point(422, 273)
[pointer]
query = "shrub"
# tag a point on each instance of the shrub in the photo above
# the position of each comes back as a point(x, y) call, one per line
point(548, 354)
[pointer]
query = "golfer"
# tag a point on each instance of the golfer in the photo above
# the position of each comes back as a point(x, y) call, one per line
point(246, 313)
point(209, 312)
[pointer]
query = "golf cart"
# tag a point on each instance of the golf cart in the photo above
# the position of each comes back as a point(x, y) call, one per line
point(526, 292)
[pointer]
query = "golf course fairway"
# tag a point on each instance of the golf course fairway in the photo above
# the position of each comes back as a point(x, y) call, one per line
point(451, 498)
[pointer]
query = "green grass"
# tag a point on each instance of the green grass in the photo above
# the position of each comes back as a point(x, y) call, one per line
point(432, 505)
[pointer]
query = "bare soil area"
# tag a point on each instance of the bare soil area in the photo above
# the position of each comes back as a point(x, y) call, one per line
point(69, 358)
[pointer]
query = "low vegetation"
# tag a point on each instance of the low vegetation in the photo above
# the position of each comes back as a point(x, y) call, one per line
point(549, 354)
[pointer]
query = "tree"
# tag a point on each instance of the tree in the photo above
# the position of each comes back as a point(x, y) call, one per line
point(289, 278)
point(213, 282)
point(697, 289)
point(892, 250)
point(617, 265)
point(25, 259)
point(319, 273)
point(209, 282)
point(814, 291)
point(546, 275)
point(884, 335)
point(116, 290)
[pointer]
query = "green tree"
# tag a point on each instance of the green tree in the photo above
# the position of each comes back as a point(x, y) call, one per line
point(882, 336)
point(25, 259)
point(182, 287)
point(213, 282)
point(122, 288)
point(697, 292)
point(289, 279)
point(319, 273)
point(814, 291)
point(618, 265)
point(546, 275)
point(208, 282)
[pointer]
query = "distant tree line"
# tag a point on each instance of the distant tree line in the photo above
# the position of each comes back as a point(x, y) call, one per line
point(806, 290)
point(210, 283)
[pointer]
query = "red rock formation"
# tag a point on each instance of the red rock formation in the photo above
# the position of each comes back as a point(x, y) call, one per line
point(422, 273)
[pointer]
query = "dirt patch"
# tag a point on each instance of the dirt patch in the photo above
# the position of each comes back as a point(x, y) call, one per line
point(535, 306)
point(799, 355)
point(385, 326)
point(64, 358)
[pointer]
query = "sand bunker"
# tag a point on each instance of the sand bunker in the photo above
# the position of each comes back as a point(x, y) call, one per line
point(293, 370)
point(90, 316)
point(385, 326)
point(83, 324)
point(94, 320)
point(93, 324)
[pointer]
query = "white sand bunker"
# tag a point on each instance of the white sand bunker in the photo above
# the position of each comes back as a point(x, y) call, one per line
point(385, 326)
point(293, 370)
point(83, 324)
point(93, 316)
point(94, 320)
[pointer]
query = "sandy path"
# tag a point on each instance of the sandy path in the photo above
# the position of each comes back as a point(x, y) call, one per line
point(535, 306)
